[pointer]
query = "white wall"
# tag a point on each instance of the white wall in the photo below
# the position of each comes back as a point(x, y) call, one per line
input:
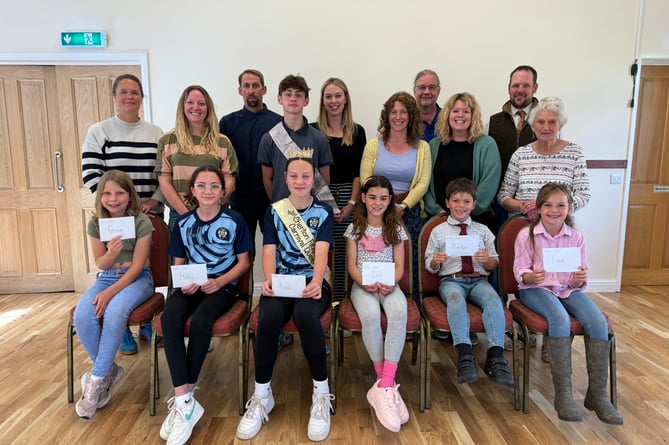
point(582, 51)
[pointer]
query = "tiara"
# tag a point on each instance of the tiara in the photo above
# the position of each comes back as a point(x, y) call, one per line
point(301, 153)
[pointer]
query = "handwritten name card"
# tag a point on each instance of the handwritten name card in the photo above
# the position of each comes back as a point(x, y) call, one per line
point(186, 274)
point(288, 285)
point(111, 227)
point(462, 245)
point(562, 259)
point(383, 273)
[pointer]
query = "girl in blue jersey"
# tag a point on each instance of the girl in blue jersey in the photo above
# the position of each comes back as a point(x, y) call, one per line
point(297, 238)
point(218, 237)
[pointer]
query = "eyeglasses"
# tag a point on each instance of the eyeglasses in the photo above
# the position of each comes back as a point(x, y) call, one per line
point(427, 87)
point(201, 186)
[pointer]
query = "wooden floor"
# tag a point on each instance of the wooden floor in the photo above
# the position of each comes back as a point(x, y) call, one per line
point(34, 408)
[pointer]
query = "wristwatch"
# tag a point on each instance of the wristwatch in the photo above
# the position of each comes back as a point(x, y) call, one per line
point(403, 205)
point(352, 202)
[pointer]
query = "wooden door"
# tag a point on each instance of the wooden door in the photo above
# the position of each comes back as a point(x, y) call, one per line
point(85, 97)
point(646, 258)
point(45, 110)
point(35, 239)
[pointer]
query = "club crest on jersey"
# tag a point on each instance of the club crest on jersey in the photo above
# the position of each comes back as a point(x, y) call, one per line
point(312, 222)
point(223, 234)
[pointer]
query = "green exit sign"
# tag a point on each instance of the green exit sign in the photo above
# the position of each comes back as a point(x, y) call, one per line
point(83, 39)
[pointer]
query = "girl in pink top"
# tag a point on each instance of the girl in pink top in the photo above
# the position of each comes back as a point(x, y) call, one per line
point(556, 296)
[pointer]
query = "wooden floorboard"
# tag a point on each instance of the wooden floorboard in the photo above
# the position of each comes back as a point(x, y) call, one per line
point(34, 408)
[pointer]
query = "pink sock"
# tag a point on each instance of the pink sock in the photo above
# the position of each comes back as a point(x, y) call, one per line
point(388, 376)
point(378, 367)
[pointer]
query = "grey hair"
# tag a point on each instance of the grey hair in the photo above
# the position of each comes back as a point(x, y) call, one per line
point(425, 72)
point(552, 104)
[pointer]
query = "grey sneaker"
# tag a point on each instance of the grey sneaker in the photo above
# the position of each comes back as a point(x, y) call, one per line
point(88, 404)
point(109, 382)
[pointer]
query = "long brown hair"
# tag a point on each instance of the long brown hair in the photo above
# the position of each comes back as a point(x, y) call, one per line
point(347, 114)
point(390, 227)
point(123, 180)
point(415, 127)
point(546, 192)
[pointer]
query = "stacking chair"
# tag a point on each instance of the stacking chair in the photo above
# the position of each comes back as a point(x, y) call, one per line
point(249, 329)
point(143, 313)
point(229, 323)
point(528, 320)
point(434, 310)
point(347, 318)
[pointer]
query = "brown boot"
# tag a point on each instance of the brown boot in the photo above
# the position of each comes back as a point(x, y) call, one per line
point(597, 359)
point(560, 352)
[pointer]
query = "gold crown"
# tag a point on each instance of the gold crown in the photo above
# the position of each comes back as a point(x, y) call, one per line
point(301, 153)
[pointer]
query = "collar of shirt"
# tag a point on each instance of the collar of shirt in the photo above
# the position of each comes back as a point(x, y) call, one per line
point(304, 129)
point(540, 229)
point(516, 118)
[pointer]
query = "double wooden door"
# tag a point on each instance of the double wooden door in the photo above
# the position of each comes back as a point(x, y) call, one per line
point(45, 112)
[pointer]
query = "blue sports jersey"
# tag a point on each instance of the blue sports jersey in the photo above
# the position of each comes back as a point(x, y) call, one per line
point(289, 258)
point(215, 243)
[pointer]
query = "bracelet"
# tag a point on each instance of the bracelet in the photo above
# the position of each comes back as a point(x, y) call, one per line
point(352, 202)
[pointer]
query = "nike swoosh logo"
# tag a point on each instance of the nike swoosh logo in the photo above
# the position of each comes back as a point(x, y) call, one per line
point(189, 415)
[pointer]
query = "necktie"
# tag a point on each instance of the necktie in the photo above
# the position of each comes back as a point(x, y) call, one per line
point(522, 121)
point(467, 266)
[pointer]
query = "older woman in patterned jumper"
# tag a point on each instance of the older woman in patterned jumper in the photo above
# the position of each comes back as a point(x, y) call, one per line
point(548, 159)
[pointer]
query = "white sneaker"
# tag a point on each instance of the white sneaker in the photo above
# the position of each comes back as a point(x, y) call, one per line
point(209, 349)
point(109, 382)
point(88, 404)
point(166, 427)
point(401, 406)
point(257, 409)
point(319, 419)
point(183, 422)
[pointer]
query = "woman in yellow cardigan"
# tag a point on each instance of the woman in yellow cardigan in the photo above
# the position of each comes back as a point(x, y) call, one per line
point(400, 155)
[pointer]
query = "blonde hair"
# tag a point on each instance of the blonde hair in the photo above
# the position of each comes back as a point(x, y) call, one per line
point(347, 114)
point(443, 128)
point(123, 180)
point(182, 131)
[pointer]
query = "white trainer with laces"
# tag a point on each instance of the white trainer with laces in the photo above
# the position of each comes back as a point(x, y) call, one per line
point(319, 419)
point(184, 420)
point(257, 409)
point(166, 427)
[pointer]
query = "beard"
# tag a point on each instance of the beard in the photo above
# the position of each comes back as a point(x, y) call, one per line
point(252, 101)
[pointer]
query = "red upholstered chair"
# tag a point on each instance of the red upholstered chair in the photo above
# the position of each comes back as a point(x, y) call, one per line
point(227, 324)
point(529, 320)
point(246, 339)
point(143, 313)
point(347, 318)
point(434, 310)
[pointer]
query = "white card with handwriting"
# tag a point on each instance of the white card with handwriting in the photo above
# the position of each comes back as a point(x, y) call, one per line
point(288, 285)
point(562, 259)
point(186, 274)
point(111, 227)
point(383, 273)
point(462, 245)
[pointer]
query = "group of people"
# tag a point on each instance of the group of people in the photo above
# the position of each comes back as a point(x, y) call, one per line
point(312, 187)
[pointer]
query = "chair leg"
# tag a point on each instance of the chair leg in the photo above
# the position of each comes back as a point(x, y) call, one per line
point(423, 366)
point(154, 371)
point(414, 347)
point(428, 362)
point(514, 356)
point(526, 370)
point(240, 371)
point(70, 362)
point(334, 362)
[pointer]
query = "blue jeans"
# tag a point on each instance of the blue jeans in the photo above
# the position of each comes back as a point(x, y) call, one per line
point(456, 292)
point(557, 310)
point(102, 340)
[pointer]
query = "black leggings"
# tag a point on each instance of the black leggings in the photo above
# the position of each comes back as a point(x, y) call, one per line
point(185, 365)
point(306, 312)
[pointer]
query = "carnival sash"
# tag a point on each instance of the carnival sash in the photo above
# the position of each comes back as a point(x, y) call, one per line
point(282, 140)
point(300, 233)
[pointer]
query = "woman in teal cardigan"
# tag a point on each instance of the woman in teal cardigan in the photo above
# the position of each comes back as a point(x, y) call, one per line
point(461, 150)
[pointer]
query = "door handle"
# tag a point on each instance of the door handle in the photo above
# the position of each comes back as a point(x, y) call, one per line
point(57, 155)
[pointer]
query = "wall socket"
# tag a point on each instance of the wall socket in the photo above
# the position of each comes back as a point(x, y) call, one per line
point(616, 178)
